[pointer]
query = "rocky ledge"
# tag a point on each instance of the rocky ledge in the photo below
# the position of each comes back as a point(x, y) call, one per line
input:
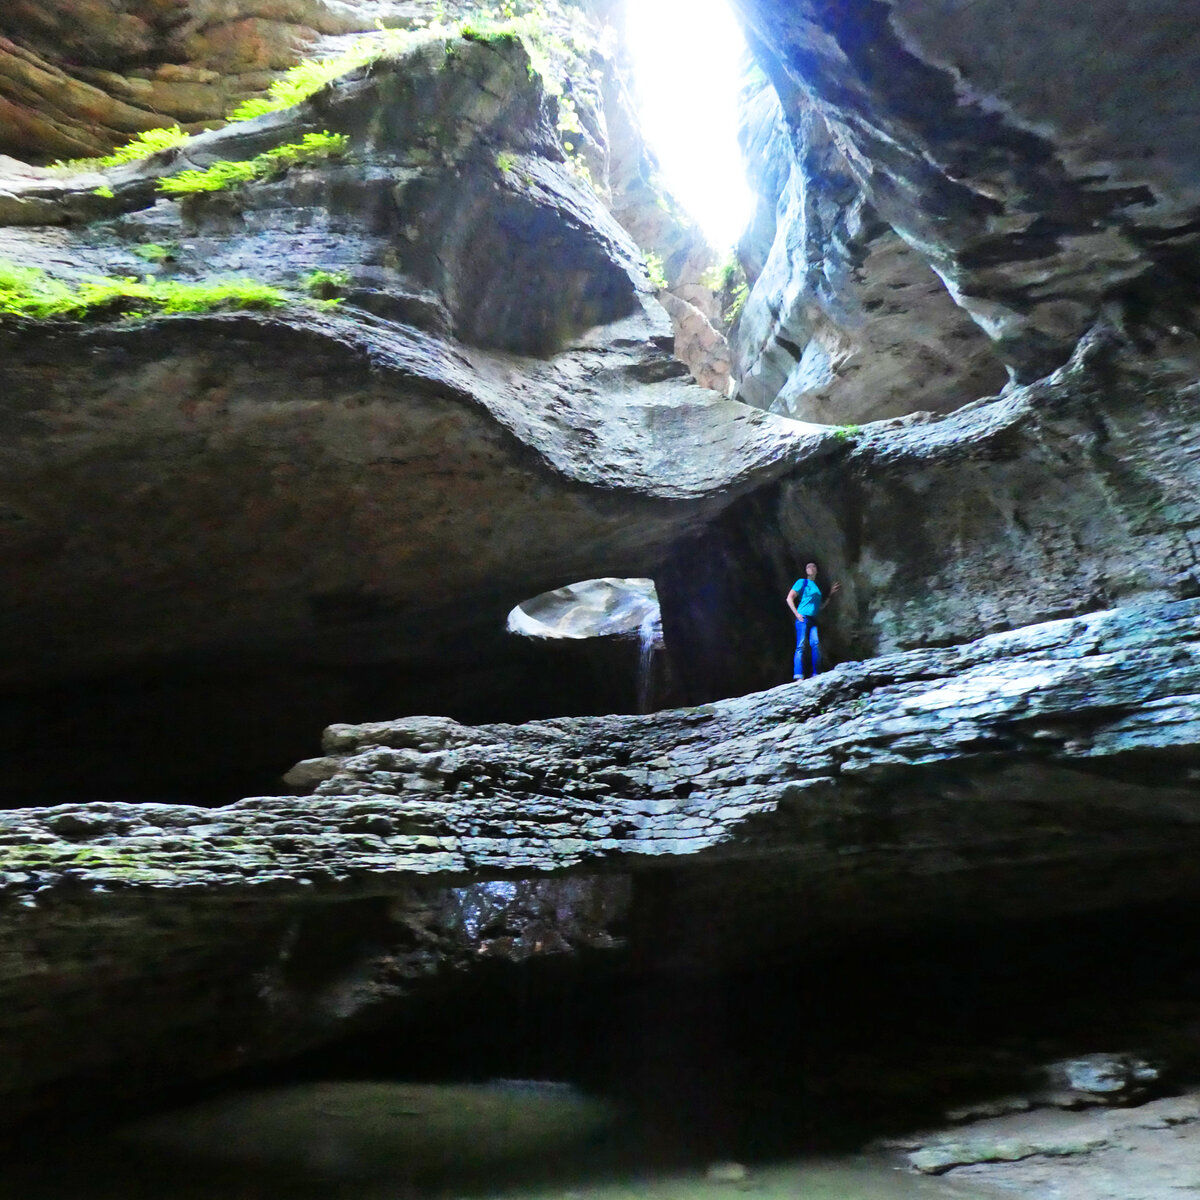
point(1047, 769)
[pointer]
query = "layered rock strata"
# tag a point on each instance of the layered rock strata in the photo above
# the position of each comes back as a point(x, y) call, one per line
point(845, 322)
point(1072, 494)
point(1041, 170)
point(77, 79)
point(1049, 769)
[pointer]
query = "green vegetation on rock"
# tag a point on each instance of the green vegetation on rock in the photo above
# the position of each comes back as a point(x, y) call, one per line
point(554, 55)
point(28, 292)
point(154, 252)
point(314, 147)
point(310, 76)
point(326, 285)
point(150, 141)
point(655, 270)
point(729, 284)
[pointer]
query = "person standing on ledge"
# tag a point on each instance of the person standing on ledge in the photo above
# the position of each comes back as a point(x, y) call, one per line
point(805, 601)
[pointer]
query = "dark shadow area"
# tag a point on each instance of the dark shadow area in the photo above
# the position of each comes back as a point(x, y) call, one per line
point(826, 1052)
point(816, 1058)
point(209, 734)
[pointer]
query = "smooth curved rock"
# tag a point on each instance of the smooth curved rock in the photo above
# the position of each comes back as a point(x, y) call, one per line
point(589, 609)
point(77, 79)
point(845, 322)
point(492, 411)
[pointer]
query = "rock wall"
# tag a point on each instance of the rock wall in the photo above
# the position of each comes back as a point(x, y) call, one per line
point(76, 79)
point(492, 411)
point(1066, 496)
point(1041, 170)
point(845, 322)
point(1046, 770)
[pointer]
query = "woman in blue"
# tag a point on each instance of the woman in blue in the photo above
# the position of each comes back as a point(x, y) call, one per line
point(805, 601)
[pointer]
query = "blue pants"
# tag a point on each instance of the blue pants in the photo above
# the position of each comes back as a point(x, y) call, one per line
point(806, 636)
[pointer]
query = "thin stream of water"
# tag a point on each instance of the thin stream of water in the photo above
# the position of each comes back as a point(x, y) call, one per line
point(648, 635)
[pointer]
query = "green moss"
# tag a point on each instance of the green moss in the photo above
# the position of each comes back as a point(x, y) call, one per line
point(326, 284)
point(150, 141)
point(156, 253)
point(313, 147)
point(105, 192)
point(737, 302)
point(27, 292)
point(655, 270)
point(310, 76)
point(506, 161)
point(216, 178)
point(847, 433)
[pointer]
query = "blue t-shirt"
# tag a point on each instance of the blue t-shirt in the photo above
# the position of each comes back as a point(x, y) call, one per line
point(808, 597)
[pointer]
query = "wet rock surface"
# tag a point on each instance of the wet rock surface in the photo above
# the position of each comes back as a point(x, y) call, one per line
point(1143, 1153)
point(845, 322)
point(1037, 205)
point(1075, 493)
point(501, 368)
point(1045, 770)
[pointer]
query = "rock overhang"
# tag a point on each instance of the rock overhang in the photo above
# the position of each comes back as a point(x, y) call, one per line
point(1043, 771)
point(508, 340)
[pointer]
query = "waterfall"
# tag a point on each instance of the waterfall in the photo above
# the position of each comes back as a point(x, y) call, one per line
point(648, 634)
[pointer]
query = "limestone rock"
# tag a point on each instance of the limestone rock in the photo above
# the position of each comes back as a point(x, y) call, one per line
point(1035, 203)
point(491, 412)
point(845, 322)
point(77, 78)
point(698, 343)
point(1049, 769)
point(1073, 494)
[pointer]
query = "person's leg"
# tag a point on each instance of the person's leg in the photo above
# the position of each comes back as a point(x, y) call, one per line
point(798, 657)
point(814, 643)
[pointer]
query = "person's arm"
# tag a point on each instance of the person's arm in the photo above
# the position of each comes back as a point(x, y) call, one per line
point(834, 588)
point(791, 603)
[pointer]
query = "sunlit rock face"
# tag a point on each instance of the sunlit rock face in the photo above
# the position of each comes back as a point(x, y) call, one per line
point(1040, 166)
point(593, 608)
point(76, 78)
point(845, 322)
point(492, 409)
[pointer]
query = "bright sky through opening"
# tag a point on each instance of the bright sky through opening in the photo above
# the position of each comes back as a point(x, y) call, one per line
point(686, 56)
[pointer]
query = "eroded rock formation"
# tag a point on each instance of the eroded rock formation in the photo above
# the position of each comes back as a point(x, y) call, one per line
point(1028, 162)
point(1049, 769)
point(492, 411)
point(77, 79)
point(1072, 494)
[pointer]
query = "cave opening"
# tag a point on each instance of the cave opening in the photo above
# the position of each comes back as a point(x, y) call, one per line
point(670, 43)
point(503, 411)
point(607, 630)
